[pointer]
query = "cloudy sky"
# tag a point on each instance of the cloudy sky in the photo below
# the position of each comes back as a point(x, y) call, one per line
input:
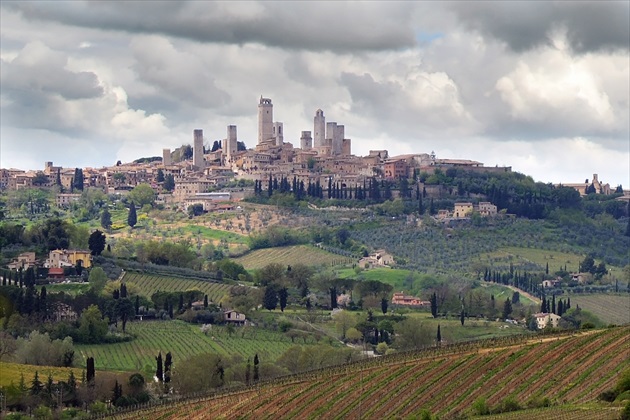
point(542, 87)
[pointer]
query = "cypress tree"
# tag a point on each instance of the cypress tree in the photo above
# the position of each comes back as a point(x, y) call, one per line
point(283, 294)
point(439, 335)
point(434, 307)
point(132, 217)
point(36, 385)
point(159, 372)
point(461, 317)
point(168, 363)
point(256, 368)
point(90, 371)
point(248, 372)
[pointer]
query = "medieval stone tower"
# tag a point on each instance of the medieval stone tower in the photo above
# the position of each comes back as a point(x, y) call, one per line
point(319, 129)
point(198, 161)
point(265, 120)
point(230, 147)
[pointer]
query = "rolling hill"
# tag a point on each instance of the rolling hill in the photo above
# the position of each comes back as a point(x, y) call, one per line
point(570, 370)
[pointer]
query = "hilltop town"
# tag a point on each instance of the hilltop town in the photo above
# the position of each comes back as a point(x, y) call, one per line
point(195, 175)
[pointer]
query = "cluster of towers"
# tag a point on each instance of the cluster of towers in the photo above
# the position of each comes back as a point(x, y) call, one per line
point(229, 146)
point(328, 138)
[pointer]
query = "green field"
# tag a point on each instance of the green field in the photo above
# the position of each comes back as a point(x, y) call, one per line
point(149, 284)
point(182, 340)
point(298, 254)
point(392, 276)
point(611, 309)
point(209, 234)
point(68, 288)
point(541, 257)
point(11, 372)
point(452, 330)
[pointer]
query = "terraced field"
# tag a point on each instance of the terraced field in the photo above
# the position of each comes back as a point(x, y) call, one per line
point(150, 284)
point(182, 340)
point(298, 254)
point(569, 370)
point(611, 309)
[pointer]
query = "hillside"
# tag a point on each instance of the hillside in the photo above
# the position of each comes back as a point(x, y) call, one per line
point(569, 370)
point(298, 254)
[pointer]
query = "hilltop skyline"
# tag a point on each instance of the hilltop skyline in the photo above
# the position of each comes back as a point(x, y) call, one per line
point(541, 87)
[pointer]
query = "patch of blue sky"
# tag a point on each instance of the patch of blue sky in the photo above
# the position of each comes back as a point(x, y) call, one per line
point(427, 37)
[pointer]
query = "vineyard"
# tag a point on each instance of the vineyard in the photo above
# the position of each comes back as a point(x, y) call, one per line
point(182, 340)
point(149, 284)
point(611, 309)
point(570, 370)
point(299, 254)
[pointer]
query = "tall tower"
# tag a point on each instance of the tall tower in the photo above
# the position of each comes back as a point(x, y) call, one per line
point(265, 119)
point(278, 133)
point(319, 129)
point(337, 140)
point(306, 142)
point(166, 157)
point(198, 161)
point(231, 143)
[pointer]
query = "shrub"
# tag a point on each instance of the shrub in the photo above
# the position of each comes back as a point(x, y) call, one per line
point(507, 405)
point(480, 407)
point(608, 396)
point(539, 403)
point(625, 414)
point(381, 348)
point(623, 384)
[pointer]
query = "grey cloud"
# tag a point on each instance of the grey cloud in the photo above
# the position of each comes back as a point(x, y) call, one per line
point(425, 104)
point(180, 77)
point(38, 68)
point(314, 26)
point(590, 26)
point(37, 86)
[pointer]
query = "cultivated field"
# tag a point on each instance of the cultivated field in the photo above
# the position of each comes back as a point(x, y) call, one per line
point(149, 284)
point(611, 309)
point(566, 369)
point(182, 340)
point(11, 372)
point(540, 257)
point(299, 254)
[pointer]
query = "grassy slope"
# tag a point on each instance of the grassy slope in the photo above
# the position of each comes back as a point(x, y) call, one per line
point(11, 372)
point(611, 309)
point(150, 284)
point(298, 254)
point(444, 384)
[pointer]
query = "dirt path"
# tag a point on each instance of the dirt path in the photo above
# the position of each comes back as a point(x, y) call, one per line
point(524, 293)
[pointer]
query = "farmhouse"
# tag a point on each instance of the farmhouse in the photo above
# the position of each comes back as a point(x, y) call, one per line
point(544, 319)
point(379, 258)
point(551, 283)
point(233, 317)
point(23, 261)
point(402, 299)
point(60, 258)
